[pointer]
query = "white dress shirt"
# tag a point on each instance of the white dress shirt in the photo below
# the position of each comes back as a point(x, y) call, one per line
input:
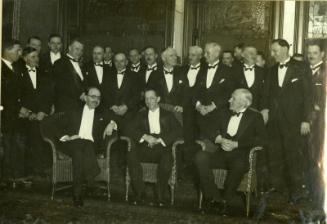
point(99, 71)
point(85, 130)
point(76, 67)
point(316, 67)
point(136, 67)
point(169, 79)
point(234, 123)
point(211, 74)
point(8, 63)
point(249, 74)
point(54, 57)
point(282, 73)
point(150, 69)
point(120, 77)
point(32, 75)
point(192, 74)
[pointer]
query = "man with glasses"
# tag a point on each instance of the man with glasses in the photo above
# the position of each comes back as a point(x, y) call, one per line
point(80, 132)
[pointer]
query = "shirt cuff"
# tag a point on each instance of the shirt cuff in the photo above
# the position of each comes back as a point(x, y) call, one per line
point(197, 103)
point(142, 139)
point(162, 142)
point(62, 138)
point(115, 126)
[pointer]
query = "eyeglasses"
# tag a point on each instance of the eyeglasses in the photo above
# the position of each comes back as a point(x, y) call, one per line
point(94, 97)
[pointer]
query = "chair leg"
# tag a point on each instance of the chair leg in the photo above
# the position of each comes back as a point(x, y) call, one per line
point(172, 194)
point(248, 198)
point(53, 190)
point(200, 200)
point(127, 182)
point(108, 191)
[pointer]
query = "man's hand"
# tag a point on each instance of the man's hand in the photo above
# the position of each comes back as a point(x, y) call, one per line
point(67, 138)
point(178, 109)
point(32, 117)
point(218, 139)
point(265, 115)
point(40, 116)
point(228, 145)
point(120, 110)
point(210, 107)
point(114, 108)
point(150, 140)
point(305, 128)
point(202, 110)
point(24, 112)
point(109, 129)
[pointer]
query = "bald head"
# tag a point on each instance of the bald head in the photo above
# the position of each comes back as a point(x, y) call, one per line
point(120, 60)
point(169, 57)
point(212, 52)
point(195, 55)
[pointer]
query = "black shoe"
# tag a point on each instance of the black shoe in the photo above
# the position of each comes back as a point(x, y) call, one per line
point(225, 210)
point(78, 201)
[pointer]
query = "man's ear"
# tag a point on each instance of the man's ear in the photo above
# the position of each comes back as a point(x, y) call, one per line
point(158, 99)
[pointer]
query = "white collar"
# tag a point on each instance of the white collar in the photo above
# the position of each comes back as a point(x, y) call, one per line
point(56, 54)
point(29, 67)
point(195, 66)
point(215, 63)
point(168, 70)
point(287, 60)
point(136, 65)
point(153, 65)
point(71, 57)
point(86, 108)
point(155, 111)
point(8, 63)
point(248, 66)
point(319, 63)
point(122, 71)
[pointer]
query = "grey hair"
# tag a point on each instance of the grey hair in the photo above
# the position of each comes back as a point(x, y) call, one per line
point(247, 96)
point(165, 52)
point(197, 49)
point(214, 45)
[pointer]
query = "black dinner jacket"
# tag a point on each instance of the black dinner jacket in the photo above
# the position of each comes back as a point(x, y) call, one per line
point(71, 122)
point(169, 126)
point(319, 87)
point(222, 86)
point(142, 75)
point(10, 97)
point(39, 99)
point(68, 85)
point(257, 88)
point(251, 131)
point(142, 67)
point(175, 96)
point(45, 63)
point(294, 101)
point(127, 94)
point(91, 77)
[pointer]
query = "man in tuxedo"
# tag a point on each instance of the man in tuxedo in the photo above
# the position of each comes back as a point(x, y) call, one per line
point(260, 60)
point(108, 54)
point(122, 94)
point(236, 132)
point(13, 134)
point(318, 67)
point(287, 105)
point(96, 73)
point(69, 79)
point(48, 59)
point(36, 98)
point(169, 84)
point(227, 58)
point(250, 76)
point(80, 132)
point(134, 57)
point(238, 49)
point(215, 88)
point(153, 131)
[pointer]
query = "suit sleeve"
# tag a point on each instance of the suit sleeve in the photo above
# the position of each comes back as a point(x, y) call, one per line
point(174, 132)
point(307, 93)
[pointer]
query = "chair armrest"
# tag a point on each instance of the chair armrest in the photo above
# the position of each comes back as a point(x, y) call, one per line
point(252, 154)
point(129, 142)
point(252, 168)
point(174, 168)
point(202, 144)
point(109, 145)
point(53, 148)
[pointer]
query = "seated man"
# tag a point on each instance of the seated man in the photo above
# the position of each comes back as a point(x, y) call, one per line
point(154, 130)
point(80, 132)
point(238, 130)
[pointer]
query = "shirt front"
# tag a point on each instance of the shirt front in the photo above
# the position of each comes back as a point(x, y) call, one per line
point(211, 73)
point(32, 75)
point(54, 56)
point(86, 127)
point(169, 79)
point(154, 121)
point(99, 71)
point(120, 77)
point(76, 67)
point(8, 63)
point(282, 73)
point(192, 74)
point(249, 74)
point(234, 123)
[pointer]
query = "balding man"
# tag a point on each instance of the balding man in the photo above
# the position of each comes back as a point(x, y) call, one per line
point(96, 73)
point(122, 95)
point(250, 76)
point(69, 79)
point(135, 64)
point(215, 88)
point(169, 83)
point(236, 131)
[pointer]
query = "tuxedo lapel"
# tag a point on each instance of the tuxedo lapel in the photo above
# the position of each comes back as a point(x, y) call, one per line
point(245, 122)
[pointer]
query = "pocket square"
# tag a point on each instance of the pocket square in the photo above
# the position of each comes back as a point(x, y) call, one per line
point(101, 119)
point(294, 80)
point(318, 84)
point(180, 81)
point(221, 81)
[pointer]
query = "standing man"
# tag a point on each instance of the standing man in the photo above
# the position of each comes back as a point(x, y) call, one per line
point(238, 59)
point(154, 130)
point(80, 132)
point(37, 99)
point(227, 58)
point(169, 83)
point(286, 107)
point(69, 79)
point(108, 54)
point(55, 47)
point(250, 76)
point(122, 94)
point(13, 138)
point(316, 139)
point(215, 88)
point(135, 61)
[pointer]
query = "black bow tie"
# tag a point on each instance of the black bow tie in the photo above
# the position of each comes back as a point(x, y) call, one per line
point(248, 68)
point(152, 69)
point(236, 113)
point(195, 68)
point(168, 72)
point(283, 65)
point(121, 73)
point(101, 65)
point(73, 59)
point(212, 66)
point(31, 70)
